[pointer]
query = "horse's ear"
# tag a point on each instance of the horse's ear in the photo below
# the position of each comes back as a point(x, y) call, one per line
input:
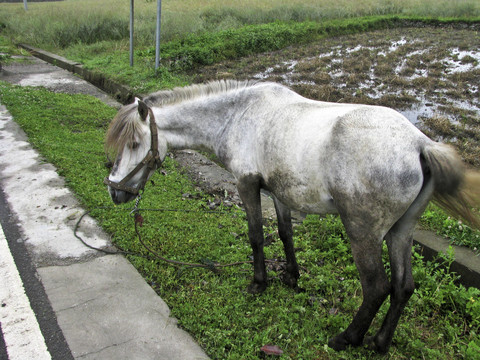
point(142, 110)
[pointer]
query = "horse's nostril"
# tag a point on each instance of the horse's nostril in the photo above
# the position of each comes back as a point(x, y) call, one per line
point(114, 195)
point(121, 197)
point(118, 198)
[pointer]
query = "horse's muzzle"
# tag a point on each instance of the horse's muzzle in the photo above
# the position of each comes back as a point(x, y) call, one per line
point(120, 196)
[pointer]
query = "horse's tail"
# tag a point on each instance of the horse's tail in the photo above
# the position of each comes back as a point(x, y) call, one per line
point(457, 190)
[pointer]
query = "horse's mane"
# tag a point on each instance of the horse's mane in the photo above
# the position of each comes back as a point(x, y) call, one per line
point(179, 94)
point(123, 128)
point(126, 123)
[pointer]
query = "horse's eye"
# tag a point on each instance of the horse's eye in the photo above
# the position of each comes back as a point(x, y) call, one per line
point(134, 145)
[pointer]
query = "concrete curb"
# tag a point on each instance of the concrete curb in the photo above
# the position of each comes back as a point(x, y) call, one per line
point(121, 93)
point(466, 264)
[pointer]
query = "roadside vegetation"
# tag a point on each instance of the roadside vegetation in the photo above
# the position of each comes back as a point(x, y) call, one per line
point(204, 40)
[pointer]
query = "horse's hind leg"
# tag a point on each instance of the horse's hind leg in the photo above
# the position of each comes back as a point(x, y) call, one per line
point(400, 249)
point(286, 233)
point(367, 253)
point(399, 240)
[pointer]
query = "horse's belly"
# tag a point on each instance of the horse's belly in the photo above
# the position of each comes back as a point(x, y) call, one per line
point(307, 200)
point(320, 208)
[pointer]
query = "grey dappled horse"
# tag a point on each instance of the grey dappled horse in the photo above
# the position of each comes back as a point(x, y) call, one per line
point(369, 164)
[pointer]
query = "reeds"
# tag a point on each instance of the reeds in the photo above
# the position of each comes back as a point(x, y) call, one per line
point(61, 24)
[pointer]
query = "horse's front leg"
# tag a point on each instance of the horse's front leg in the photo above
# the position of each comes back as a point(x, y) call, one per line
point(249, 191)
point(286, 235)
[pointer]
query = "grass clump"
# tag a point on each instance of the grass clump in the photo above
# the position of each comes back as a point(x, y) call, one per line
point(213, 47)
point(88, 31)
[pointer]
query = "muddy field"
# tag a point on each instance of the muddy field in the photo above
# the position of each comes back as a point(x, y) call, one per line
point(431, 75)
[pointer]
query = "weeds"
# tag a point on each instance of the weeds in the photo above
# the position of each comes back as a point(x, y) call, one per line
point(89, 31)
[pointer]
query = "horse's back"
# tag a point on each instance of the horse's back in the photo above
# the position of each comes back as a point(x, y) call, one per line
point(335, 153)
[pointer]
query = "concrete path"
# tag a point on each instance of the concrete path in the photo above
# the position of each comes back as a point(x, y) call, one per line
point(103, 306)
point(20, 328)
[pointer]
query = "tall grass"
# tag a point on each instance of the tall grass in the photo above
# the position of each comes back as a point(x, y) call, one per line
point(61, 24)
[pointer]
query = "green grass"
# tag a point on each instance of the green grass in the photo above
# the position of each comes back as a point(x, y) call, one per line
point(441, 320)
point(7, 50)
point(213, 47)
point(455, 230)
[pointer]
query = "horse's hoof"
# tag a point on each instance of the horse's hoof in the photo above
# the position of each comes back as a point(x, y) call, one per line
point(338, 343)
point(372, 344)
point(289, 280)
point(256, 288)
point(299, 290)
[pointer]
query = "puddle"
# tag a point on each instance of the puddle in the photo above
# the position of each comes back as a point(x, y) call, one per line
point(396, 44)
point(411, 51)
point(417, 112)
point(462, 61)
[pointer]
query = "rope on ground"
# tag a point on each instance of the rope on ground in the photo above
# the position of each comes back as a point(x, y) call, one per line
point(138, 220)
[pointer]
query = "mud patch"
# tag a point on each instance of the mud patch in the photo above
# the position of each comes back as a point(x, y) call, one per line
point(208, 176)
point(431, 75)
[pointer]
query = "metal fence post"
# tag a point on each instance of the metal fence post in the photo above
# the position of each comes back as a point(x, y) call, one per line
point(157, 38)
point(131, 32)
point(25, 5)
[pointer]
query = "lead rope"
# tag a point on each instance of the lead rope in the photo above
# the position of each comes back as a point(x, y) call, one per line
point(135, 212)
point(138, 220)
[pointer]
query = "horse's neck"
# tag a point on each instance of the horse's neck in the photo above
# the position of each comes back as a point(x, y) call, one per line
point(195, 124)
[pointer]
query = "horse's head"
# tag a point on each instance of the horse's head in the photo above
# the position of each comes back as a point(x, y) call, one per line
point(139, 149)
